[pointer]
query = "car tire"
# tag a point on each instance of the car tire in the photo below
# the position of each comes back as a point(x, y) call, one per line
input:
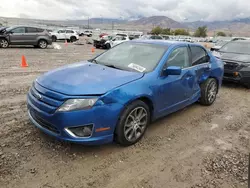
point(72, 39)
point(209, 90)
point(42, 44)
point(54, 39)
point(4, 43)
point(108, 46)
point(132, 123)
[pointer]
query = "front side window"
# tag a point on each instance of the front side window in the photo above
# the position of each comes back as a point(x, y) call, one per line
point(61, 31)
point(178, 57)
point(18, 30)
point(199, 55)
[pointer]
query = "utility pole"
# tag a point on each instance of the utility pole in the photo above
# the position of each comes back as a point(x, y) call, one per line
point(88, 22)
point(112, 25)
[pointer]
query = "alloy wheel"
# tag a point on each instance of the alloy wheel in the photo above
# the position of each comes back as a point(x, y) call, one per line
point(212, 91)
point(43, 44)
point(135, 124)
point(4, 43)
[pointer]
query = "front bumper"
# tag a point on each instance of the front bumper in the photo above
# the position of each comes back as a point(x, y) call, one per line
point(55, 123)
point(243, 76)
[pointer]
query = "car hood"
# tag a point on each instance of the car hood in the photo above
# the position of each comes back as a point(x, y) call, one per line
point(235, 57)
point(86, 78)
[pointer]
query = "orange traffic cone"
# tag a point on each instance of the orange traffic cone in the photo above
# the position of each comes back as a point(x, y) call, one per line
point(93, 50)
point(66, 43)
point(24, 63)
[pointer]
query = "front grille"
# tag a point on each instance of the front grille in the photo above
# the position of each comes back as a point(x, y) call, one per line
point(44, 123)
point(230, 65)
point(228, 74)
point(45, 101)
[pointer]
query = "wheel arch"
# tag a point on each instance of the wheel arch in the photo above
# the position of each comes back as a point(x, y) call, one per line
point(39, 39)
point(144, 98)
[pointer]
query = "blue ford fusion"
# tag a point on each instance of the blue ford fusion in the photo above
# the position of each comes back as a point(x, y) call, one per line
point(114, 96)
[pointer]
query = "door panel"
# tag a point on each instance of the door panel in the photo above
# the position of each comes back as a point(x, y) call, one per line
point(175, 91)
point(17, 35)
point(201, 64)
point(31, 35)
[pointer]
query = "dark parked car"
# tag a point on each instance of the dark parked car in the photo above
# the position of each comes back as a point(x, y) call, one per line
point(22, 35)
point(236, 58)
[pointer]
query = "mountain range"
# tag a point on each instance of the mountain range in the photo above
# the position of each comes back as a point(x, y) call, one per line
point(240, 27)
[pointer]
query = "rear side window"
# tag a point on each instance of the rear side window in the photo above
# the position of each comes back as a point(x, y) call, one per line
point(31, 30)
point(69, 31)
point(199, 55)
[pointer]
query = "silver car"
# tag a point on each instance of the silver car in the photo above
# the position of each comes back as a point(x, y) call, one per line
point(24, 35)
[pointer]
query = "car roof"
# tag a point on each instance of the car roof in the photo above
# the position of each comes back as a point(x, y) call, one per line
point(241, 41)
point(165, 42)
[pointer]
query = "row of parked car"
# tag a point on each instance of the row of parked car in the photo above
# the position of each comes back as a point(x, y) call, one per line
point(38, 37)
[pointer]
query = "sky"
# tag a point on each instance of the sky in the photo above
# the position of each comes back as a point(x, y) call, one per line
point(179, 10)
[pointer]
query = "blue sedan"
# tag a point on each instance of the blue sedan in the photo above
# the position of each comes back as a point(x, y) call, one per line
point(115, 96)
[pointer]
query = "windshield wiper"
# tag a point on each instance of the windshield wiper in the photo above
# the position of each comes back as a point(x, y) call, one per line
point(112, 66)
point(93, 61)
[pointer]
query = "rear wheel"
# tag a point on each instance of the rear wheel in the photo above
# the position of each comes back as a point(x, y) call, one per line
point(72, 39)
point(42, 44)
point(209, 90)
point(132, 123)
point(4, 43)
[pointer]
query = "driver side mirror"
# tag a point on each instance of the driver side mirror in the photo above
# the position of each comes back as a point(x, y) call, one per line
point(172, 70)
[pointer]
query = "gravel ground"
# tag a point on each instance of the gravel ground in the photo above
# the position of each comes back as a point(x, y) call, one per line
point(195, 147)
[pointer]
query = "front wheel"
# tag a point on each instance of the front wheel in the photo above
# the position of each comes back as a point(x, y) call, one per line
point(209, 90)
point(54, 38)
point(132, 123)
point(108, 46)
point(4, 43)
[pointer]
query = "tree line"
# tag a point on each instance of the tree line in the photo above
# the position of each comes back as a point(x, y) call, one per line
point(200, 32)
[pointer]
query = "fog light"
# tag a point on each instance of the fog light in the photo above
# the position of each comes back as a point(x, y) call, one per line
point(83, 131)
point(236, 74)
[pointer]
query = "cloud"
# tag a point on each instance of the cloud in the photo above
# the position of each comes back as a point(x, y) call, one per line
point(78, 9)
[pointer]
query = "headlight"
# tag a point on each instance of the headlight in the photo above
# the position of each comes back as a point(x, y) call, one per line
point(77, 104)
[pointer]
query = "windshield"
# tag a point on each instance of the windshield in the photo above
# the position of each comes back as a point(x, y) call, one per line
point(220, 43)
point(9, 28)
point(236, 47)
point(130, 56)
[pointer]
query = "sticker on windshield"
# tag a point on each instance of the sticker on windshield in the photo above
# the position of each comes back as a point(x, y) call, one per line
point(136, 67)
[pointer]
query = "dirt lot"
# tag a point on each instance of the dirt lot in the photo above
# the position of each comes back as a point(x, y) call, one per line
point(195, 147)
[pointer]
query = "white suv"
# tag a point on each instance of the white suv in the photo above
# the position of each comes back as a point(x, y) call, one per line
point(65, 34)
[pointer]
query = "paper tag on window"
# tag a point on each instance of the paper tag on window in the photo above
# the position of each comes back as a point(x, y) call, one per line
point(136, 67)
